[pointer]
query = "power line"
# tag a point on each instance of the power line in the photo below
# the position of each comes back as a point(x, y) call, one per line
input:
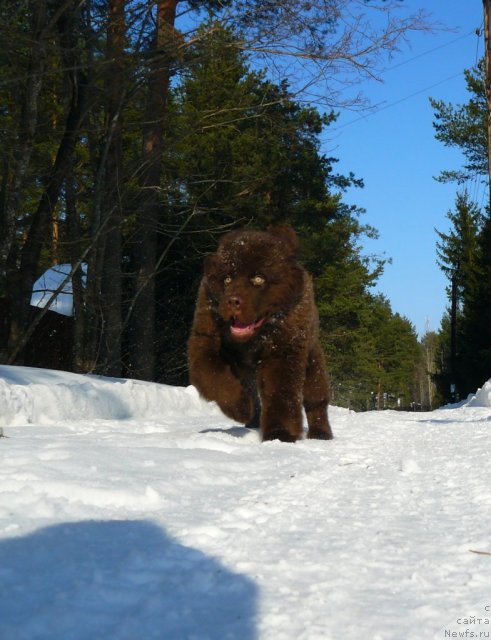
point(396, 102)
point(425, 53)
point(383, 107)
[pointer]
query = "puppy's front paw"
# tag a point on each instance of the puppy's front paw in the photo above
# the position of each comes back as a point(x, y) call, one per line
point(320, 434)
point(279, 433)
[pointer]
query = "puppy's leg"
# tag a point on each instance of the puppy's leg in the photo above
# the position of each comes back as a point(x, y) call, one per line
point(255, 421)
point(215, 381)
point(316, 396)
point(280, 387)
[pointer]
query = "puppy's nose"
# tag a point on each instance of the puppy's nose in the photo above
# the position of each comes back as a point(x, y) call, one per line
point(234, 302)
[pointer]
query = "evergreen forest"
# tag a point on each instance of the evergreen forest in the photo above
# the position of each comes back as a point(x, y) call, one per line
point(135, 133)
point(464, 251)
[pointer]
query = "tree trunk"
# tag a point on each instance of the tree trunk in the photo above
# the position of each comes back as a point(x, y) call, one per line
point(487, 41)
point(13, 184)
point(26, 132)
point(74, 239)
point(142, 326)
point(20, 283)
point(111, 270)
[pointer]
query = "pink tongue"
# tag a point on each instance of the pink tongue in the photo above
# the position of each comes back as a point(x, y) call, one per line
point(240, 329)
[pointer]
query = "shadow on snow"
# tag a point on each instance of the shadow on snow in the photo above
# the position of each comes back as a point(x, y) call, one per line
point(118, 580)
point(236, 432)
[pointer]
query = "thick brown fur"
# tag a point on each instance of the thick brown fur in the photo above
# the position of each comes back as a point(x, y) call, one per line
point(254, 347)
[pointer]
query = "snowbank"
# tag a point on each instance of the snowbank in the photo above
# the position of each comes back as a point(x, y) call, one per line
point(39, 396)
point(482, 397)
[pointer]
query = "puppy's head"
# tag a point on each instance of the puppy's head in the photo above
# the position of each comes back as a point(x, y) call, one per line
point(254, 277)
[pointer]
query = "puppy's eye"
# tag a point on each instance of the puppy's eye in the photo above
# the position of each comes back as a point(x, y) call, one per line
point(258, 281)
point(227, 280)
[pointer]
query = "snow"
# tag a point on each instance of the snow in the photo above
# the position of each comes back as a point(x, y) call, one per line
point(482, 397)
point(133, 510)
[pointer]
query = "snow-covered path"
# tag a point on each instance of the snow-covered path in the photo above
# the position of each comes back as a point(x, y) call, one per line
point(130, 510)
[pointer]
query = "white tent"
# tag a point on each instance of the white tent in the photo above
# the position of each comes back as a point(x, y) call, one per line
point(49, 282)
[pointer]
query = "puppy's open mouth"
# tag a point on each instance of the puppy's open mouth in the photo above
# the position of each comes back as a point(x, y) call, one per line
point(241, 329)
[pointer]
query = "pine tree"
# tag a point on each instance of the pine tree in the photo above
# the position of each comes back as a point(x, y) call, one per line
point(464, 253)
point(476, 330)
point(458, 259)
point(457, 250)
point(428, 371)
point(465, 127)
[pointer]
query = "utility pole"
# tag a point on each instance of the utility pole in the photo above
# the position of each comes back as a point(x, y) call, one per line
point(487, 41)
point(453, 339)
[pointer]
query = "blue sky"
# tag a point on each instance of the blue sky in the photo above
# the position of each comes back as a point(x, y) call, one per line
point(396, 154)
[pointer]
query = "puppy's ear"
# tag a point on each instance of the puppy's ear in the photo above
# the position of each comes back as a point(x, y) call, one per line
point(287, 234)
point(210, 265)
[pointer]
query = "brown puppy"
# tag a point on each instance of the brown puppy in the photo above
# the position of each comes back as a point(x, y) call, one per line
point(254, 346)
